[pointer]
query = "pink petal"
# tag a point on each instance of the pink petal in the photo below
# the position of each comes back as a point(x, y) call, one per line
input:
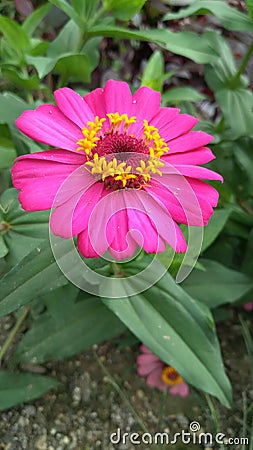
point(145, 349)
point(72, 217)
point(117, 97)
point(181, 389)
point(164, 224)
point(140, 224)
point(147, 358)
point(155, 379)
point(145, 369)
point(96, 102)
point(248, 306)
point(122, 245)
point(47, 124)
point(197, 172)
point(40, 175)
point(145, 104)
point(73, 106)
point(182, 124)
point(189, 141)
point(200, 156)
point(164, 116)
point(85, 247)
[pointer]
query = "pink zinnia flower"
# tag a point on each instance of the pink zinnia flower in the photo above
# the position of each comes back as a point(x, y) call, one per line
point(160, 375)
point(248, 306)
point(128, 170)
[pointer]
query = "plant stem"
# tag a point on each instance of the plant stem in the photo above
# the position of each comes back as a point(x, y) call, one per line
point(13, 333)
point(161, 411)
point(215, 416)
point(121, 393)
point(243, 66)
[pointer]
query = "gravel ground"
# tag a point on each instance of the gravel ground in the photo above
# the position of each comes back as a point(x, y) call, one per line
point(82, 414)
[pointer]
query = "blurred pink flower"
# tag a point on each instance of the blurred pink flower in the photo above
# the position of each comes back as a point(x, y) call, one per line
point(248, 306)
point(111, 142)
point(159, 374)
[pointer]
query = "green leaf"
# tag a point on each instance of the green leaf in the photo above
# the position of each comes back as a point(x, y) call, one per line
point(154, 72)
point(3, 247)
point(249, 5)
point(27, 278)
point(81, 325)
point(42, 64)
point(169, 322)
point(217, 284)
point(123, 9)
point(214, 227)
point(14, 34)
point(67, 40)
point(74, 66)
point(182, 94)
point(229, 17)
point(69, 65)
point(237, 107)
point(20, 80)
point(7, 153)
point(11, 106)
point(183, 43)
point(18, 388)
point(85, 9)
point(34, 19)
point(67, 8)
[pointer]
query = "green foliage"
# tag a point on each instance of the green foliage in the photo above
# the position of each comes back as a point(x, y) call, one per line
point(156, 316)
point(22, 387)
point(123, 9)
point(229, 16)
point(182, 94)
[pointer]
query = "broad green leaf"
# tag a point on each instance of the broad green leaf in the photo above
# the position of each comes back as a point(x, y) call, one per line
point(25, 231)
point(85, 8)
point(229, 17)
point(34, 19)
point(91, 50)
point(67, 40)
point(20, 80)
point(3, 247)
point(169, 322)
point(249, 5)
point(183, 43)
point(214, 227)
point(36, 273)
point(219, 72)
point(7, 153)
point(69, 65)
point(80, 325)
point(18, 388)
point(182, 94)
point(11, 106)
point(76, 67)
point(217, 284)
point(14, 34)
point(237, 107)
point(123, 9)
point(154, 72)
point(71, 12)
point(42, 64)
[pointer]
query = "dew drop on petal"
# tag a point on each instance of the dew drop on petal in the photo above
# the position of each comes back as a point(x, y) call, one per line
point(50, 111)
point(134, 101)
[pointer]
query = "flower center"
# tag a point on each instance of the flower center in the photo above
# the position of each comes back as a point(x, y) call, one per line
point(170, 376)
point(118, 158)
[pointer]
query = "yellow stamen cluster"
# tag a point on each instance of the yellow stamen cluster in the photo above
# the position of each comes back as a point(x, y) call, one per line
point(170, 376)
point(90, 136)
point(99, 166)
point(116, 120)
point(151, 134)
